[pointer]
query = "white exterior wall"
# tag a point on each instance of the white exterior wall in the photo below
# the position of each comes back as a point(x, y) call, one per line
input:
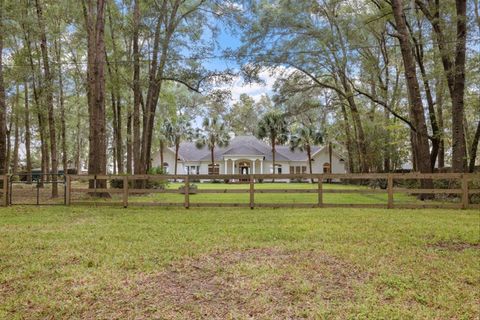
point(317, 164)
point(168, 157)
point(322, 157)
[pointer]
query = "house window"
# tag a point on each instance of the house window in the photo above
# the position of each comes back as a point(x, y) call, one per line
point(278, 169)
point(193, 169)
point(215, 169)
point(298, 169)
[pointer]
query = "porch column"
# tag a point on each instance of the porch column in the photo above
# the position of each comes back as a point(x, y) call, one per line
point(261, 166)
point(233, 166)
point(254, 162)
point(226, 169)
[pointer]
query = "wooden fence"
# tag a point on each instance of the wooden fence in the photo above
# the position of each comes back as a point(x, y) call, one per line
point(463, 192)
point(98, 184)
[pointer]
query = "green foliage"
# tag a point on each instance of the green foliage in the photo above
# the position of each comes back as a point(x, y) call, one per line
point(305, 137)
point(273, 126)
point(214, 133)
point(244, 115)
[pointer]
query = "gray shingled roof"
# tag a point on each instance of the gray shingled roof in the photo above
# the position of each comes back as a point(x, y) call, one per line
point(244, 146)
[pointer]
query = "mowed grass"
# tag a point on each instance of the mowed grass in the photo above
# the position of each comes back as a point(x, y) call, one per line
point(212, 263)
point(267, 198)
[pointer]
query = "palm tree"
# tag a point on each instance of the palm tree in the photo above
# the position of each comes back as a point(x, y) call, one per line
point(273, 126)
point(163, 137)
point(303, 139)
point(213, 134)
point(176, 132)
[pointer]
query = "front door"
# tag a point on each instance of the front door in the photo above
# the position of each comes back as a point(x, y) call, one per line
point(244, 168)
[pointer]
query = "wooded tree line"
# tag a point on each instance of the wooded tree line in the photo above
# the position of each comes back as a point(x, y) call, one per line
point(113, 81)
point(95, 71)
point(386, 68)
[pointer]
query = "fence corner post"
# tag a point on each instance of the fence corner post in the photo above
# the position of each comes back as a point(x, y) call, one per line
point(125, 191)
point(252, 191)
point(320, 191)
point(390, 191)
point(187, 193)
point(68, 189)
point(465, 199)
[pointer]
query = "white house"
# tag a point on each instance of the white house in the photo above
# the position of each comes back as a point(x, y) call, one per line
point(249, 155)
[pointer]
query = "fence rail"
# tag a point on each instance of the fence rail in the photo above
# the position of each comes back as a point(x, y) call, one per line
point(131, 186)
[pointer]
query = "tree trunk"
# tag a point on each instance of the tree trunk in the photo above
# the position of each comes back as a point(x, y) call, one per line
point(117, 124)
point(95, 25)
point(48, 98)
point(3, 106)
point(309, 155)
point(78, 162)
point(274, 140)
point(474, 149)
point(455, 73)
point(136, 148)
point(129, 141)
point(459, 149)
point(439, 95)
point(40, 116)
point(162, 160)
point(386, 152)
point(44, 125)
point(62, 109)
point(177, 146)
point(348, 134)
point(16, 133)
point(415, 101)
point(27, 135)
point(428, 93)
point(212, 158)
point(360, 135)
point(9, 145)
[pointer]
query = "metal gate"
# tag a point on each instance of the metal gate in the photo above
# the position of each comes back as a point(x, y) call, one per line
point(36, 189)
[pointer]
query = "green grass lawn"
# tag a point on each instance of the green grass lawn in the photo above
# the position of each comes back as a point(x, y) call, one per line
point(307, 198)
point(97, 263)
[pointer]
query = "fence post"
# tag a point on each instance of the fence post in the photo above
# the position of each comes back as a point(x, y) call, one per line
point(320, 191)
point(187, 193)
point(390, 191)
point(68, 181)
point(465, 200)
point(125, 191)
point(252, 192)
point(5, 190)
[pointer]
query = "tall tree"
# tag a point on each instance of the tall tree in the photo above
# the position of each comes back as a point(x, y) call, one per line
point(214, 134)
point(137, 94)
point(414, 98)
point(3, 106)
point(61, 98)
point(454, 68)
point(94, 14)
point(178, 131)
point(304, 138)
point(27, 134)
point(273, 127)
point(48, 90)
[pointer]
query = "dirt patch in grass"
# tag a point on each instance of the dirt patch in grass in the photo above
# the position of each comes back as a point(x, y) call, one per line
point(257, 283)
point(455, 245)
